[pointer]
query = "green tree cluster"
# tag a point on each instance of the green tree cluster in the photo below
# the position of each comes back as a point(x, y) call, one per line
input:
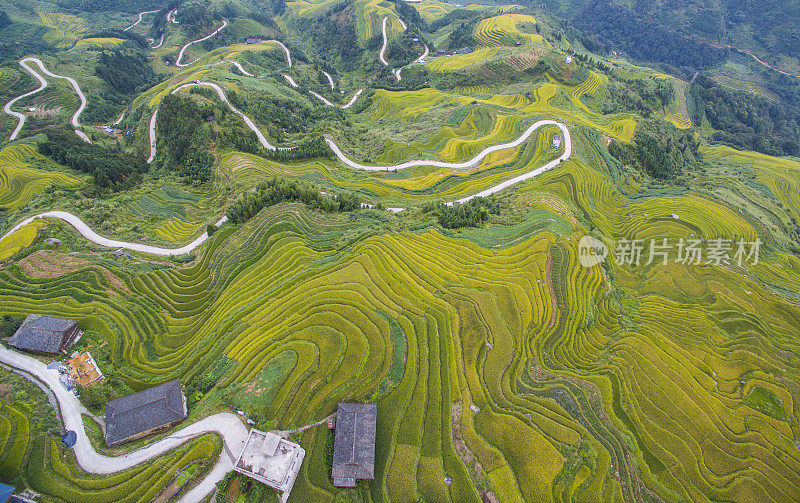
point(473, 213)
point(658, 149)
point(187, 137)
point(280, 190)
point(746, 121)
point(111, 168)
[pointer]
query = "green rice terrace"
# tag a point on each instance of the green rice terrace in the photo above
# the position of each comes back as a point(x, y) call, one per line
point(561, 265)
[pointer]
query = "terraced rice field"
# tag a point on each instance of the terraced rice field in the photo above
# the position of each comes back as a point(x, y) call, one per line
point(20, 239)
point(780, 175)
point(309, 8)
point(64, 29)
point(19, 182)
point(431, 10)
point(516, 329)
point(678, 120)
point(49, 469)
point(449, 63)
point(744, 85)
point(430, 185)
point(176, 230)
point(162, 202)
point(369, 14)
point(505, 30)
point(503, 370)
point(98, 42)
point(268, 288)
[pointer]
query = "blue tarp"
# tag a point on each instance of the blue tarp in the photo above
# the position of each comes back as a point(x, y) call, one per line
point(6, 492)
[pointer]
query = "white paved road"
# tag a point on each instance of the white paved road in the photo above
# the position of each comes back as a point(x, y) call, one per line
point(327, 102)
point(92, 236)
point(224, 98)
point(321, 98)
point(152, 131)
point(183, 49)
point(226, 425)
point(96, 238)
point(353, 99)
point(452, 165)
point(160, 42)
point(424, 55)
point(381, 55)
point(43, 84)
point(285, 49)
point(18, 115)
point(241, 69)
point(140, 19)
point(567, 142)
point(290, 80)
point(330, 79)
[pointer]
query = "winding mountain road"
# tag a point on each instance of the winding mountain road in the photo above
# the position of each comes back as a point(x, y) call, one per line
point(382, 54)
point(92, 236)
point(183, 49)
point(460, 165)
point(171, 16)
point(530, 174)
point(328, 102)
point(152, 132)
point(252, 125)
point(226, 425)
point(290, 80)
point(353, 99)
point(424, 55)
point(18, 115)
point(160, 42)
point(330, 79)
point(87, 232)
point(285, 49)
point(43, 84)
point(241, 69)
point(140, 19)
point(236, 64)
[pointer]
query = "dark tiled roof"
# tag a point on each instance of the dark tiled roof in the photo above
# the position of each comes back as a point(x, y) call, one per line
point(354, 443)
point(152, 408)
point(41, 333)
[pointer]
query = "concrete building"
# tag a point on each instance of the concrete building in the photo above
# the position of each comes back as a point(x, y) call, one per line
point(354, 443)
point(46, 334)
point(140, 414)
point(271, 460)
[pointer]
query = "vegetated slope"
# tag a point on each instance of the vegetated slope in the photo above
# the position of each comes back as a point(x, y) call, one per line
point(766, 28)
point(503, 370)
